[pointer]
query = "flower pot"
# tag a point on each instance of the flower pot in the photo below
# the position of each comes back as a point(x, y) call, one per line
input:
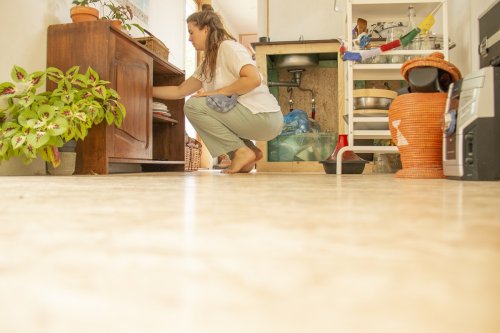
point(67, 166)
point(83, 14)
point(415, 124)
point(16, 167)
point(117, 24)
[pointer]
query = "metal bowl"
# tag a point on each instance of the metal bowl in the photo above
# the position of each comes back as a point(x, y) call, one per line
point(380, 103)
point(296, 61)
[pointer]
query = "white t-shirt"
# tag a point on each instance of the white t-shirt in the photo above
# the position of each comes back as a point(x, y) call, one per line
point(232, 56)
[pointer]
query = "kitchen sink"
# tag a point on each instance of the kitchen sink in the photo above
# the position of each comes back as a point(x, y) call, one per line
point(296, 61)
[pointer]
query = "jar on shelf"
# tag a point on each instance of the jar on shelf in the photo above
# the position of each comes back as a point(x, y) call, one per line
point(415, 43)
point(428, 42)
point(394, 34)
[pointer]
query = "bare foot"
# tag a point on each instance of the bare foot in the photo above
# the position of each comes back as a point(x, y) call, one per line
point(258, 153)
point(242, 157)
point(250, 166)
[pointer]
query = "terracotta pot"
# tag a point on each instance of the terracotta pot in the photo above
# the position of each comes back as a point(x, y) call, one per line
point(84, 14)
point(415, 124)
point(117, 24)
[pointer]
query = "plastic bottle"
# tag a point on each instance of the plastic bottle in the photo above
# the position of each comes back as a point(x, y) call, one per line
point(412, 24)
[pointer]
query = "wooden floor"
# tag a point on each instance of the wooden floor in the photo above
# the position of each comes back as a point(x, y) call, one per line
point(205, 252)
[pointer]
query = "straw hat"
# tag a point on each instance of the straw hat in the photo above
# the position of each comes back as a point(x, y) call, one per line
point(435, 59)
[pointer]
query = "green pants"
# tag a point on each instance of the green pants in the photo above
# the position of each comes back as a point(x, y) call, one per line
point(224, 132)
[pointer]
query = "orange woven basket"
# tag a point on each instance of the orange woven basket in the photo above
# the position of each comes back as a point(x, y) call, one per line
point(435, 59)
point(415, 124)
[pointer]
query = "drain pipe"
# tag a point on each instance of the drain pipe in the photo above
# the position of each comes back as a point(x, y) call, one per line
point(295, 83)
point(297, 73)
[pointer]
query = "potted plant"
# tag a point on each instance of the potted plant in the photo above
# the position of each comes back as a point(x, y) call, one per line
point(121, 14)
point(82, 12)
point(34, 123)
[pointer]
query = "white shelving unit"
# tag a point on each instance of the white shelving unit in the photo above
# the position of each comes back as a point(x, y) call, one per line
point(378, 11)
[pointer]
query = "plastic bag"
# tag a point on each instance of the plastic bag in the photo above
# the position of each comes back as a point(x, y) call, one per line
point(296, 122)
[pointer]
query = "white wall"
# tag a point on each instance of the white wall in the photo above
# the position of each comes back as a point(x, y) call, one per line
point(464, 31)
point(227, 18)
point(460, 20)
point(167, 22)
point(24, 38)
point(24, 24)
point(288, 20)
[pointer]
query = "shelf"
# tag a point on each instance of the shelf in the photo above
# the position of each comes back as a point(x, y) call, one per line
point(142, 161)
point(372, 134)
point(411, 52)
point(370, 119)
point(369, 123)
point(370, 149)
point(376, 72)
point(415, 53)
point(163, 119)
point(376, 126)
point(373, 67)
point(370, 113)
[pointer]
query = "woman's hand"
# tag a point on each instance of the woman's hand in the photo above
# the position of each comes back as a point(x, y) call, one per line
point(202, 93)
point(177, 92)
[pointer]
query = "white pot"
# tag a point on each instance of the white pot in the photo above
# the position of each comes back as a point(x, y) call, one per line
point(67, 166)
point(16, 167)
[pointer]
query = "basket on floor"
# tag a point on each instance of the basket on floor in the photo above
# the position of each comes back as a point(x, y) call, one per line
point(415, 124)
point(155, 45)
point(192, 155)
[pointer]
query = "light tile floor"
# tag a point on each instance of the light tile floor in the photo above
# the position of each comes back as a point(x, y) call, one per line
point(211, 253)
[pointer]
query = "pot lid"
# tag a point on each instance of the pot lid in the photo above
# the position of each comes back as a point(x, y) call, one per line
point(435, 59)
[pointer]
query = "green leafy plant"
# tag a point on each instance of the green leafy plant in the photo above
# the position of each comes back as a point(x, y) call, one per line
point(85, 3)
point(34, 123)
point(113, 11)
point(122, 13)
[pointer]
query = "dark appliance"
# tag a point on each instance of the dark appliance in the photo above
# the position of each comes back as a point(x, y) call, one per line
point(471, 140)
point(489, 36)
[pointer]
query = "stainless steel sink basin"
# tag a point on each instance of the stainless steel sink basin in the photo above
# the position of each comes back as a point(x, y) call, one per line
point(296, 61)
